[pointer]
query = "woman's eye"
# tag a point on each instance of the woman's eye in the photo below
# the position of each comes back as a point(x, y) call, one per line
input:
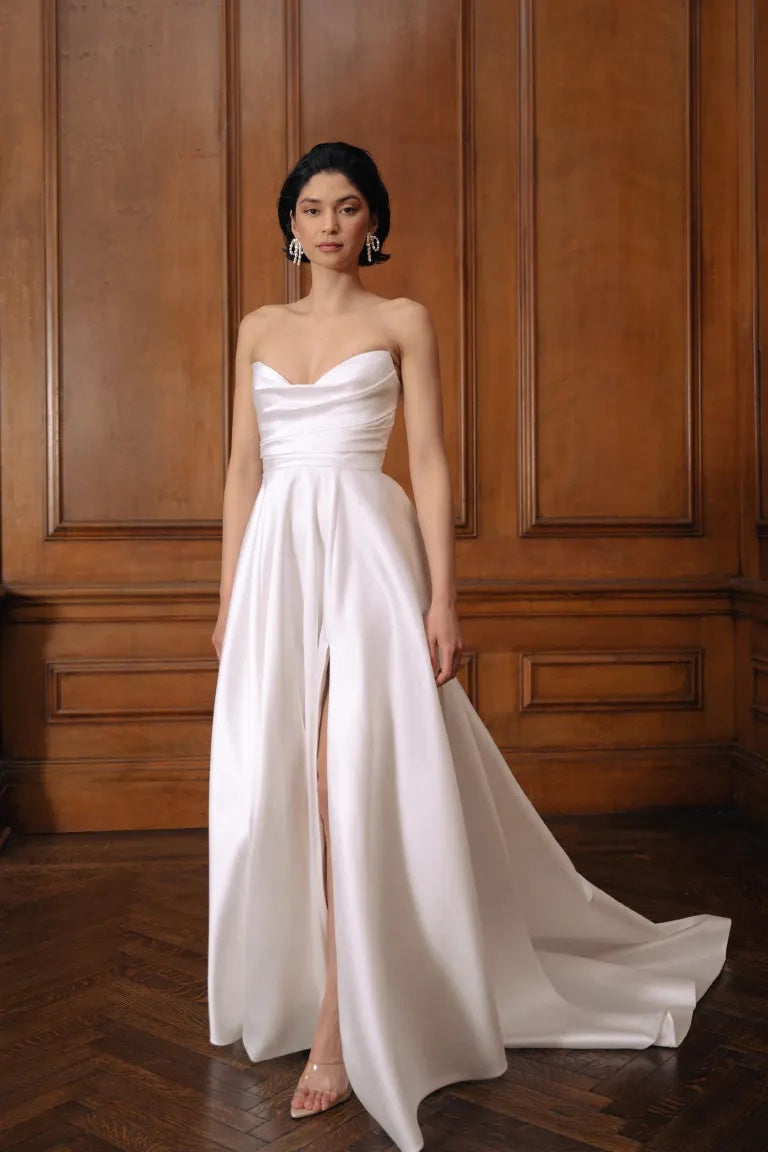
point(350, 209)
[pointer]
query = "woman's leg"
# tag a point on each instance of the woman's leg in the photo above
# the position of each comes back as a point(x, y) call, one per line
point(321, 1088)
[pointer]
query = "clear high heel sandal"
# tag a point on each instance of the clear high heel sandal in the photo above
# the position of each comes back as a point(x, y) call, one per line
point(296, 1113)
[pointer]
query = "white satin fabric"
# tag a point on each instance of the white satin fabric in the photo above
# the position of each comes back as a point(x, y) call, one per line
point(462, 926)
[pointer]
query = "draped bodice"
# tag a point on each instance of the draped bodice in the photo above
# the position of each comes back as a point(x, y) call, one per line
point(343, 420)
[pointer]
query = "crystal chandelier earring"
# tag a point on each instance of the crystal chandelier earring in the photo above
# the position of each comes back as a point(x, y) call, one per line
point(372, 242)
point(296, 250)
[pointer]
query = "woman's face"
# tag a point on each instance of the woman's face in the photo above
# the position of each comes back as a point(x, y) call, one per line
point(331, 211)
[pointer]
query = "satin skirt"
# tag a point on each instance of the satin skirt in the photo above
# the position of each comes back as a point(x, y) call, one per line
point(462, 927)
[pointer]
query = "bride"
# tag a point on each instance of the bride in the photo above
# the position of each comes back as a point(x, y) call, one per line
point(382, 892)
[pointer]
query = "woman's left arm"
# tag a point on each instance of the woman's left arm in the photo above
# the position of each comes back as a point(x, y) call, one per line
point(430, 477)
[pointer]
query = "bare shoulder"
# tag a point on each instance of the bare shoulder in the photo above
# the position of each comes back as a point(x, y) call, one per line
point(412, 314)
point(253, 325)
point(410, 325)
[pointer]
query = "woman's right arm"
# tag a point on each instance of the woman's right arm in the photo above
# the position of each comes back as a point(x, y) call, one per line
point(244, 472)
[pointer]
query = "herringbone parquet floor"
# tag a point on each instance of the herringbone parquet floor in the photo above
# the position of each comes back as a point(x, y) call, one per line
point(104, 1043)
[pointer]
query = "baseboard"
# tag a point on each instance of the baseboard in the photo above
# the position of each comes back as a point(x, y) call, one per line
point(750, 784)
point(594, 781)
point(107, 795)
point(120, 795)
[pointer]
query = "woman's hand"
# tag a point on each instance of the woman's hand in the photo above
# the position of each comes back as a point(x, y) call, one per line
point(441, 623)
point(218, 632)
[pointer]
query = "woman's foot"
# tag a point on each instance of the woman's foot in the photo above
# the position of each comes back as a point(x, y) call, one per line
point(324, 1080)
point(323, 1084)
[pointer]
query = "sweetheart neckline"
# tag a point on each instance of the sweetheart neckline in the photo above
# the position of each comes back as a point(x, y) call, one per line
point(322, 376)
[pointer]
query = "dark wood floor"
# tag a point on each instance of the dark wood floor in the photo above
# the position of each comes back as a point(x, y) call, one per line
point(104, 1043)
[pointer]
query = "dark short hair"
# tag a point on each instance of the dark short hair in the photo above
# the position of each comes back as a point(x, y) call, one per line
point(359, 167)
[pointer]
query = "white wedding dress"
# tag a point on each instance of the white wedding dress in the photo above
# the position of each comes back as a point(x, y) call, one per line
point(462, 926)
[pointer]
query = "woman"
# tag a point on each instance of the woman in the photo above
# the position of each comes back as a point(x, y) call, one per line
point(382, 892)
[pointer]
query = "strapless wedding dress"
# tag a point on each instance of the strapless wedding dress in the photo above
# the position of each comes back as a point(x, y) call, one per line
point(462, 926)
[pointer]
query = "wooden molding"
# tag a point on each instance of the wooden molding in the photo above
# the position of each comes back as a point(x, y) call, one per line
point(58, 527)
point(677, 683)
point(40, 603)
point(76, 689)
point(532, 522)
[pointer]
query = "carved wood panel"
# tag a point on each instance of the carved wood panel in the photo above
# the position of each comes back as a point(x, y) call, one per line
point(565, 199)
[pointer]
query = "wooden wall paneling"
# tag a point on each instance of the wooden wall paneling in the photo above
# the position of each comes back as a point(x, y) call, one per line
point(593, 751)
point(613, 681)
point(136, 228)
point(107, 703)
point(610, 299)
point(760, 70)
point(613, 369)
point(751, 85)
point(22, 295)
point(91, 668)
point(111, 795)
point(130, 359)
point(608, 698)
point(568, 780)
point(595, 466)
point(496, 103)
point(750, 767)
point(648, 681)
point(590, 752)
point(269, 92)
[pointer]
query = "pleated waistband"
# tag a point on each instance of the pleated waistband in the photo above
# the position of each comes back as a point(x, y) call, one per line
point(365, 461)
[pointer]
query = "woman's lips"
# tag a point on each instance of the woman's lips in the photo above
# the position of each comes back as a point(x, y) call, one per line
point(329, 247)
